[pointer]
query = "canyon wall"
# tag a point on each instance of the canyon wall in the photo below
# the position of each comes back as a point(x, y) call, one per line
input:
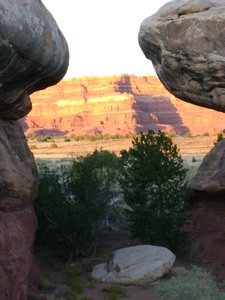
point(116, 104)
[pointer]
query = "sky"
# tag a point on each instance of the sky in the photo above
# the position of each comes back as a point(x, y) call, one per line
point(102, 35)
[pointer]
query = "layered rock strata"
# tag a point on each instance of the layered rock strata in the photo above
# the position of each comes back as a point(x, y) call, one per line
point(34, 54)
point(116, 104)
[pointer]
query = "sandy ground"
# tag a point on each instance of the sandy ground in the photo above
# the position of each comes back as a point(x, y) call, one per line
point(192, 146)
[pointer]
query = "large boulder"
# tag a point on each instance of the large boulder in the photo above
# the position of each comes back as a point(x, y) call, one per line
point(18, 189)
point(137, 265)
point(210, 176)
point(185, 42)
point(206, 230)
point(33, 55)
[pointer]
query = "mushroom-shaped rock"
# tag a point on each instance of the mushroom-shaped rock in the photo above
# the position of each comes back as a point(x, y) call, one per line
point(210, 176)
point(185, 42)
point(33, 55)
point(135, 265)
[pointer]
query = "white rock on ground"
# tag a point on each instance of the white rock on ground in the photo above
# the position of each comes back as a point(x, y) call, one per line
point(135, 265)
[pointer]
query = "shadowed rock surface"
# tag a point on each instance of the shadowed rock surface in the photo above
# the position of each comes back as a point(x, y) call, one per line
point(210, 176)
point(185, 42)
point(206, 230)
point(33, 55)
point(30, 56)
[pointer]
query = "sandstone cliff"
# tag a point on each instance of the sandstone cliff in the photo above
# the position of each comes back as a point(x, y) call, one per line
point(116, 104)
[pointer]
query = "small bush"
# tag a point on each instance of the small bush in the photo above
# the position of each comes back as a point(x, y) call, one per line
point(53, 145)
point(205, 134)
point(33, 147)
point(67, 140)
point(189, 285)
point(219, 138)
point(194, 159)
point(41, 138)
point(154, 190)
point(188, 135)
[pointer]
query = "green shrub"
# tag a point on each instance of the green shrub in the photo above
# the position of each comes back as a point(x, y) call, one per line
point(33, 147)
point(72, 224)
point(189, 285)
point(92, 180)
point(188, 135)
point(52, 210)
point(67, 140)
point(154, 190)
point(219, 138)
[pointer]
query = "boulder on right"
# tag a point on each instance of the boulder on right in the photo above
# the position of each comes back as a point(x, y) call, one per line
point(210, 176)
point(185, 42)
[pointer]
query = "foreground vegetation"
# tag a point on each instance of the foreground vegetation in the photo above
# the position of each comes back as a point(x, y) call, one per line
point(76, 204)
point(142, 190)
point(73, 203)
point(154, 189)
point(193, 284)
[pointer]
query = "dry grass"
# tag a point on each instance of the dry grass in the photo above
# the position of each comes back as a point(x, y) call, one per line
point(189, 146)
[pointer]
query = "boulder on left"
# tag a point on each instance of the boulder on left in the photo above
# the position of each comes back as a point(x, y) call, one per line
point(33, 55)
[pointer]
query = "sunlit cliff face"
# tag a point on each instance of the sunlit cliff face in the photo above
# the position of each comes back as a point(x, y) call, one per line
point(116, 104)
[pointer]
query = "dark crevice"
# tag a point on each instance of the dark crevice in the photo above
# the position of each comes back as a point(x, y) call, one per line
point(190, 12)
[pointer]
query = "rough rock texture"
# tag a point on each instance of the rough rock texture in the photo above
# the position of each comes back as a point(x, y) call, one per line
point(206, 230)
point(210, 176)
point(116, 104)
point(33, 55)
point(135, 265)
point(185, 42)
point(31, 58)
point(18, 188)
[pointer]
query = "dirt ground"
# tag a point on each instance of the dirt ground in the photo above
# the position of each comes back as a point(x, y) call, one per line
point(189, 146)
point(51, 271)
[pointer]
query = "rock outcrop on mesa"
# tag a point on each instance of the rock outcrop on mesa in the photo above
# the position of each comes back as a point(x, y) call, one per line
point(34, 54)
point(119, 104)
point(185, 42)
